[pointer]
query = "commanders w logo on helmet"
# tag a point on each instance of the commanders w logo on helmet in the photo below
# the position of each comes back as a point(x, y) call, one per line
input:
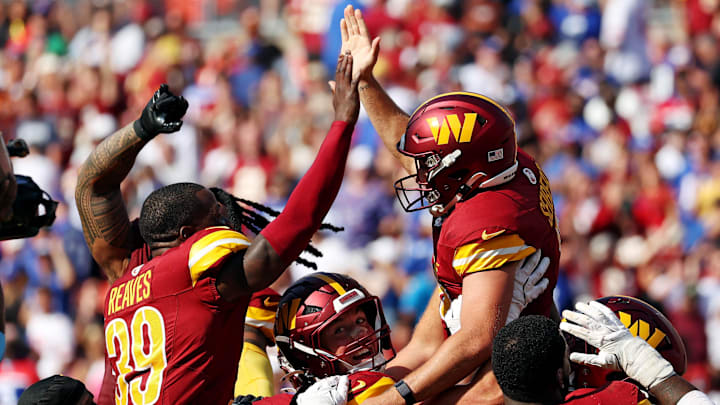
point(483, 152)
point(644, 321)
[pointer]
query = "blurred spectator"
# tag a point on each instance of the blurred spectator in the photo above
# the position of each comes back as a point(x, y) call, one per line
point(50, 334)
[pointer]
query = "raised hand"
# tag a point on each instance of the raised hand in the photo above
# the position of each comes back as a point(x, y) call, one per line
point(618, 348)
point(162, 114)
point(345, 99)
point(356, 40)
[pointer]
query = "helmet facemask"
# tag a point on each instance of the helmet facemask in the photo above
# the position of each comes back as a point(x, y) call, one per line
point(414, 191)
point(369, 352)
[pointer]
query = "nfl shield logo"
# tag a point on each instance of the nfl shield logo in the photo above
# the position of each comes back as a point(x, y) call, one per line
point(494, 155)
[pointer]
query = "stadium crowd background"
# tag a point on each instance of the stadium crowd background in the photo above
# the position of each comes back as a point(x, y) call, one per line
point(619, 100)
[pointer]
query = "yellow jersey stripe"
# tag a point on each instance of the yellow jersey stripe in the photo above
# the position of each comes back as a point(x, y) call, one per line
point(209, 249)
point(496, 261)
point(376, 389)
point(645, 402)
point(500, 242)
point(487, 254)
point(334, 284)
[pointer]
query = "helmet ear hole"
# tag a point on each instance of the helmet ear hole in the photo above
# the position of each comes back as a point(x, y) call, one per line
point(459, 175)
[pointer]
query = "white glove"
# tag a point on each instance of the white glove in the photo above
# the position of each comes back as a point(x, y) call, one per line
point(619, 349)
point(331, 390)
point(527, 287)
point(452, 316)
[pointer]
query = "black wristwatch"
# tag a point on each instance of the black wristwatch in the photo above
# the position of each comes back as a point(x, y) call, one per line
point(405, 392)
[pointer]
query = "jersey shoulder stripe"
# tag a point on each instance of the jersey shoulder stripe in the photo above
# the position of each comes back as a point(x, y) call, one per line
point(212, 248)
point(491, 254)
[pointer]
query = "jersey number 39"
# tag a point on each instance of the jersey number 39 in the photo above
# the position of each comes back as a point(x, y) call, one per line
point(139, 356)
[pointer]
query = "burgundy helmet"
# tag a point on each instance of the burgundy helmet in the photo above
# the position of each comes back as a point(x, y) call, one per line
point(309, 306)
point(643, 320)
point(460, 142)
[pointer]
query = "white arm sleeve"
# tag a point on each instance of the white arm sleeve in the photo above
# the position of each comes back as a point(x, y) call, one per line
point(695, 397)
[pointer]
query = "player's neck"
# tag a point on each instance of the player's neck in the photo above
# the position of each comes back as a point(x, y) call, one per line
point(158, 248)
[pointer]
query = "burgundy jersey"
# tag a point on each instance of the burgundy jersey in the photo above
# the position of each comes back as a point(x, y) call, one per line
point(615, 393)
point(498, 225)
point(363, 385)
point(169, 336)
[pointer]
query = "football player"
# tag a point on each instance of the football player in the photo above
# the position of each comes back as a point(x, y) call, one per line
point(492, 206)
point(180, 278)
point(255, 375)
point(327, 324)
point(530, 360)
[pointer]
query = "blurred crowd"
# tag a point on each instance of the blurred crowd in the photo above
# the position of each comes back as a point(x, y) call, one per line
point(617, 99)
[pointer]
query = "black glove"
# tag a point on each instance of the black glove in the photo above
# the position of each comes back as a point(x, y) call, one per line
point(162, 114)
point(245, 399)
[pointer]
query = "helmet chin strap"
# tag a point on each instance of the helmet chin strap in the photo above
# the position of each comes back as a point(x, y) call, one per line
point(502, 177)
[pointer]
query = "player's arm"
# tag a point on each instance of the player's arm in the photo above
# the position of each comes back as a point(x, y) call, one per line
point(387, 118)
point(426, 338)
point(677, 390)
point(105, 221)
point(486, 299)
point(285, 237)
point(620, 350)
point(255, 376)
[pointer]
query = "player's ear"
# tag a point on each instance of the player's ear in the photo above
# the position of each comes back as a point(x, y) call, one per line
point(186, 232)
point(560, 376)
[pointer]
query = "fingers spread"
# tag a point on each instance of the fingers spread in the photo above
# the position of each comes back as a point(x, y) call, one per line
point(582, 358)
point(362, 28)
point(589, 310)
point(344, 31)
point(353, 28)
point(578, 318)
point(607, 313)
point(577, 331)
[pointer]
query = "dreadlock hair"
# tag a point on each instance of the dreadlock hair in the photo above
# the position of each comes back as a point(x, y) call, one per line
point(168, 208)
point(526, 355)
point(241, 212)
